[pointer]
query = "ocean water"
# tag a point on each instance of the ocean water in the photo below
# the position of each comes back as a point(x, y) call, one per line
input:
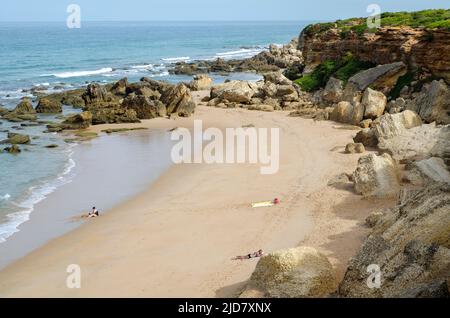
point(54, 58)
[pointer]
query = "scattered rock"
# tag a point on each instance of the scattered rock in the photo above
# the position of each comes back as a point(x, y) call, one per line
point(13, 149)
point(355, 148)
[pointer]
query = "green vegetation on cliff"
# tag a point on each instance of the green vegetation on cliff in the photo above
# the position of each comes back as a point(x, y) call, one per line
point(429, 19)
point(342, 69)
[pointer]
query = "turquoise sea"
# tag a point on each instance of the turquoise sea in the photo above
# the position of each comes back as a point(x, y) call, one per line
point(54, 58)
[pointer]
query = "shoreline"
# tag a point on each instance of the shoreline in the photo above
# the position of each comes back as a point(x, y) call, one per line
point(93, 180)
point(144, 247)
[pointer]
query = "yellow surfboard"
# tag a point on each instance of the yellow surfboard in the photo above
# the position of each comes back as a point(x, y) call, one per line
point(262, 204)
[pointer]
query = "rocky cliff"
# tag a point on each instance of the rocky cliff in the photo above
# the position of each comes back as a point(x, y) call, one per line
point(416, 47)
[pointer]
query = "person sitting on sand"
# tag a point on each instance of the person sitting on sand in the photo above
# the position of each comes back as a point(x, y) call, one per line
point(94, 213)
point(258, 254)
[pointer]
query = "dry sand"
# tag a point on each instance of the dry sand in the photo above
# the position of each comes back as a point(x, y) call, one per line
point(177, 238)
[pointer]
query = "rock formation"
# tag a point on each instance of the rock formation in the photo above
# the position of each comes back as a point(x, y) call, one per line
point(411, 246)
point(433, 103)
point(144, 107)
point(178, 101)
point(48, 106)
point(417, 48)
point(24, 107)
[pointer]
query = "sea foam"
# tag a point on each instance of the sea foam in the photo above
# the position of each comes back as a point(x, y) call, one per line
point(83, 73)
point(37, 193)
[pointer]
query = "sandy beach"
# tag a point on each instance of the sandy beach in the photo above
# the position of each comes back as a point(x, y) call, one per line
point(177, 238)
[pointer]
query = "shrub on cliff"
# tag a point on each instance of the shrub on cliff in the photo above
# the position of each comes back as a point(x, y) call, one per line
point(342, 69)
point(429, 19)
point(319, 77)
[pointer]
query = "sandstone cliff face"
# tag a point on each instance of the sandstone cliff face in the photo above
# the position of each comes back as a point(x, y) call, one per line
point(410, 244)
point(429, 49)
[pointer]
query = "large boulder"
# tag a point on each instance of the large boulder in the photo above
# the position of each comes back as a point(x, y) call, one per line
point(433, 103)
point(49, 106)
point(383, 77)
point(201, 82)
point(178, 100)
point(144, 107)
point(410, 245)
point(376, 176)
point(24, 107)
point(333, 91)
point(349, 113)
point(293, 273)
point(374, 103)
point(235, 91)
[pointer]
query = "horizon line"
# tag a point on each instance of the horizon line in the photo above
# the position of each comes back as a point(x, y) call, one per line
point(63, 21)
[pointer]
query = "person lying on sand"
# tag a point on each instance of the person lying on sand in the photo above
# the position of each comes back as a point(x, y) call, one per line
point(258, 254)
point(94, 213)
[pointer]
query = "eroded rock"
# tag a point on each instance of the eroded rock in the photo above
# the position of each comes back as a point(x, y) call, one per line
point(376, 176)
